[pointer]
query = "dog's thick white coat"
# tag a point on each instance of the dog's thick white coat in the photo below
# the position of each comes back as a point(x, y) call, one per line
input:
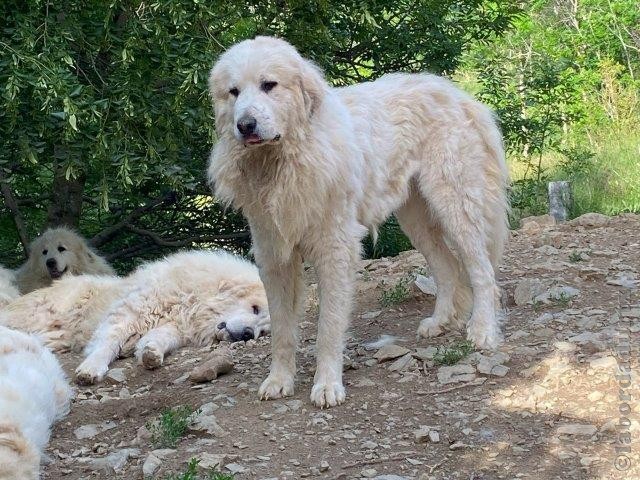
point(327, 164)
point(8, 288)
point(34, 392)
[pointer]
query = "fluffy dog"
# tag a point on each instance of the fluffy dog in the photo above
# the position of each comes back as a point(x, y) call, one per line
point(313, 168)
point(34, 393)
point(55, 253)
point(8, 288)
point(193, 298)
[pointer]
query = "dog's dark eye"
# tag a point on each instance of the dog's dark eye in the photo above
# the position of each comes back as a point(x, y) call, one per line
point(61, 249)
point(256, 309)
point(234, 91)
point(44, 252)
point(268, 86)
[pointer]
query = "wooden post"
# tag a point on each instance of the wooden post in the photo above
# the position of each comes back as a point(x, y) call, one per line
point(560, 200)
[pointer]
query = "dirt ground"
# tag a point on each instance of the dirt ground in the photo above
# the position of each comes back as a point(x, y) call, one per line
point(548, 406)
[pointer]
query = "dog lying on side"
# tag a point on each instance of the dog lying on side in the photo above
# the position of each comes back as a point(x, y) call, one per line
point(189, 298)
point(34, 392)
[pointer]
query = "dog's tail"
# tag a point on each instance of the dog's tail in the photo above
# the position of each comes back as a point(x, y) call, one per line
point(496, 207)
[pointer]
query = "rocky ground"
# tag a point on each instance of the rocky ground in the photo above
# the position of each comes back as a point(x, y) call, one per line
point(548, 405)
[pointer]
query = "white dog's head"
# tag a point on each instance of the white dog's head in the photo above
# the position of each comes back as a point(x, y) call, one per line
point(59, 251)
point(263, 91)
point(238, 312)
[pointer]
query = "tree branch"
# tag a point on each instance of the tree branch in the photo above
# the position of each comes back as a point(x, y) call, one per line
point(188, 241)
point(10, 202)
point(109, 233)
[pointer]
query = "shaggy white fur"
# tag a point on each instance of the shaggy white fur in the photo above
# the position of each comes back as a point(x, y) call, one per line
point(34, 392)
point(189, 298)
point(313, 168)
point(8, 289)
point(56, 253)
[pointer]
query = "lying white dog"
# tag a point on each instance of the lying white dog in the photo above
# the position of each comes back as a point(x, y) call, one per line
point(313, 168)
point(34, 392)
point(189, 298)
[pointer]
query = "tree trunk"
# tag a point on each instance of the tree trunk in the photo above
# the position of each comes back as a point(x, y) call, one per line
point(66, 202)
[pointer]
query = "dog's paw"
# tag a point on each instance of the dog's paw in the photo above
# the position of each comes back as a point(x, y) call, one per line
point(276, 386)
point(325, 395)
point(151, 358)
point(486, 338)
point(430, 327)
point(87, 374)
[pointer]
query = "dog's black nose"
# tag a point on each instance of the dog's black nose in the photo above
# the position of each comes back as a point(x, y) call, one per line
point(51, 263)
point(247, 334)
point(222, 325)
point(247, 125)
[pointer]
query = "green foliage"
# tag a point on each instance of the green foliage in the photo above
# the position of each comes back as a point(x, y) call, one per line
point(171, 427)
point(450, 355)
point(398, 293)
point(575, 257)
point(565, 75)
point(192, 473)
point(391, 240)
point(104, 106)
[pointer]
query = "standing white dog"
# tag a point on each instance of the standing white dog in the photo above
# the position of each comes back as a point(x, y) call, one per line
point(314, 167)
point(34, 392)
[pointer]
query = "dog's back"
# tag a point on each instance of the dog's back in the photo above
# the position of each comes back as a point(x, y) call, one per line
point(33, 394)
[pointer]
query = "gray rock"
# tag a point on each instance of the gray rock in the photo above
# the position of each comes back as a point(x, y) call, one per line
point(236, 468)
point(426, 285)
point(91, 430)
point(150, 465)
point(592, 220)
point(117, 375)
point(390, 352)
point(114, 462)
point(577, 429)
point(456, 373)
point(527, 289)
point(425, 354)
point(402, 363)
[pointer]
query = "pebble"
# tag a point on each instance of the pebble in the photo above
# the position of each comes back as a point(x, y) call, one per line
point(456, 373)
point(390, 352)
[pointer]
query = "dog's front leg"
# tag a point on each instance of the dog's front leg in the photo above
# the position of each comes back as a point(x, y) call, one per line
point(335, 266)
point(284, 285)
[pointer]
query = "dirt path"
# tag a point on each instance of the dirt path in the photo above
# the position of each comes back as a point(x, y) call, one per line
point(546, 407)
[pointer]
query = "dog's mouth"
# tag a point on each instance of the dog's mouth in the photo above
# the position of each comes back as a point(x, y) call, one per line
point(55, 273)
point(254, 139)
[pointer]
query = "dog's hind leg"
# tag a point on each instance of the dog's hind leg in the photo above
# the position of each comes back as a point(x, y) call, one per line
point(156, 343)
point(460, 215)
point(284, 285)
point(453, 299)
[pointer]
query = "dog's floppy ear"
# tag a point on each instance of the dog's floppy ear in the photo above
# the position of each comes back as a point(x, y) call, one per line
point(312, 85)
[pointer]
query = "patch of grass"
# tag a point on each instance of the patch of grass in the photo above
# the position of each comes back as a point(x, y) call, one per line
point(398, 293)
point(563, 300)
point(450, 355)
point(171, 427)
point(575, 257)
point(192, 473)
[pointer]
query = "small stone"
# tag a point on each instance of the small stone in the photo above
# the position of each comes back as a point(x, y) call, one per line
point(390, 352)
point(577, 429)
point(368, 473)
point(236, 468)
point(604, 363)
point(151, 464)
point(592, 220)
point(421, 435)
point(117, 375)
point(527, 289)
point(402, 363)
point(426, 285)
point(219, 363)
point(371, 315)
point(456, 373)
point(457, 446)
point(425, 354)
point(324, 466)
